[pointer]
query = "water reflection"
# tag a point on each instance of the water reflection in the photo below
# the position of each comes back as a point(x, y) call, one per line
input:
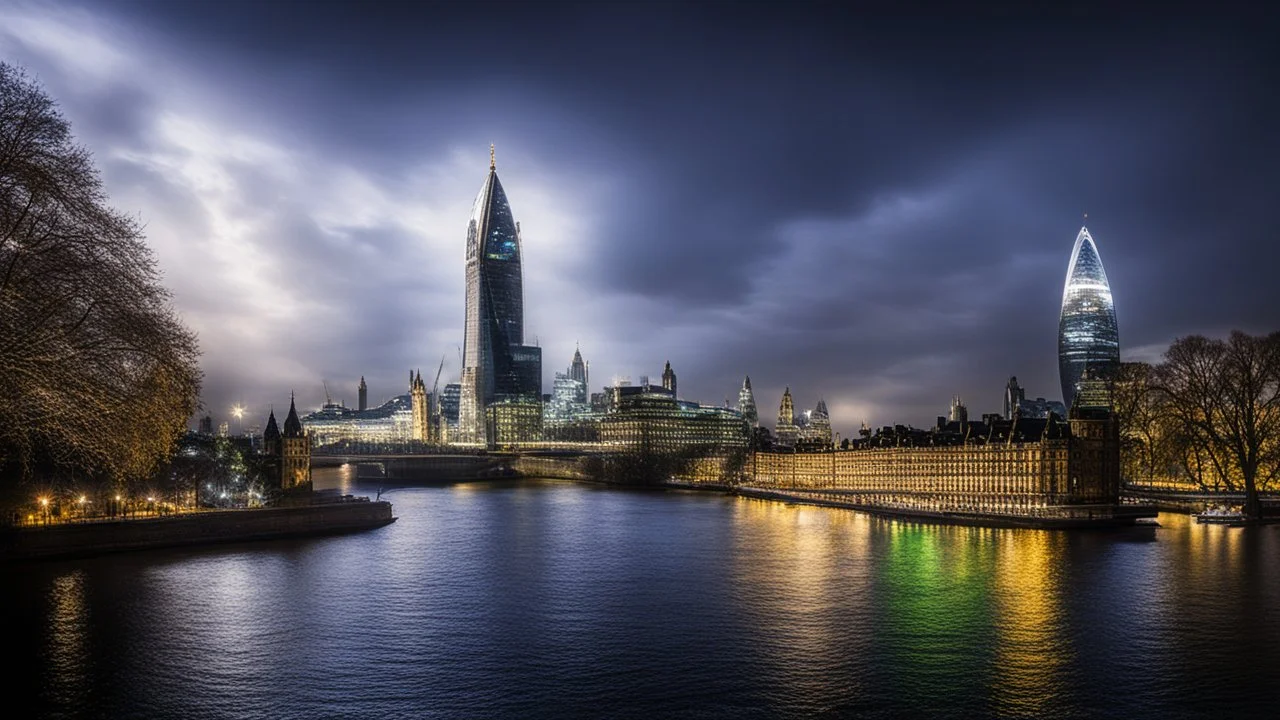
point(68, 643)
point(1033, 644)
point(552, 599)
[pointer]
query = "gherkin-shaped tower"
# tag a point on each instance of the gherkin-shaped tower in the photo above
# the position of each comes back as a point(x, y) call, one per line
point(1087, 332)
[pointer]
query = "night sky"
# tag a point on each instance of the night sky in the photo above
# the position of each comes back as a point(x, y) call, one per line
point(872, 205)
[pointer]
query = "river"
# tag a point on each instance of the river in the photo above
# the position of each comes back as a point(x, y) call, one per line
point(553, 599)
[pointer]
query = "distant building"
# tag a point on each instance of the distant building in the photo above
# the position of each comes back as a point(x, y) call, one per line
point(580, 371)
point(651, 417)
point(394, 421)
point(1013, 397)
point(449, 399)
point(747, 404)
point(959, 412)
point(288, 452)
point(1040, 408)
point(1016, 404)
point(816, 430)
point(513, 420)
point(785, 432)
point(1087, 332)
point(669, 379)
point(206, 425)
point(363, 391)
point(223, 430)
point(565, 404)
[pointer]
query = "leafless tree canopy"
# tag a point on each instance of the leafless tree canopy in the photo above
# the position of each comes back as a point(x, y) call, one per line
point(1208, 414)
point(97, 374)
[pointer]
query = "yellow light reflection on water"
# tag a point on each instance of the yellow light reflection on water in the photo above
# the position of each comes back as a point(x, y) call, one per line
point(1030, 652)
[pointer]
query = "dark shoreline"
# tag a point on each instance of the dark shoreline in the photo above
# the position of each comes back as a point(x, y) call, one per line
point(80, 540)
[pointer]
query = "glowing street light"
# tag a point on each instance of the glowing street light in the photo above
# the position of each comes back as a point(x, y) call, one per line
point(238, 412)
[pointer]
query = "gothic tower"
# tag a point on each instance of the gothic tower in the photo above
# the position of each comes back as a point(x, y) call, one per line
point(294, 452)
point(363, 391)
point(420, 409)
point(669, 379)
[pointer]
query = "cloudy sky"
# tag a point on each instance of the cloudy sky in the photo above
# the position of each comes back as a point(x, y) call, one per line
point(876, 207)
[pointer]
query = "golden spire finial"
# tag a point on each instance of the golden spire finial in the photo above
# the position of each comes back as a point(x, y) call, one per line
point(492, 163)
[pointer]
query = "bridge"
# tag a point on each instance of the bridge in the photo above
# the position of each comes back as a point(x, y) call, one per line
point(453, 465)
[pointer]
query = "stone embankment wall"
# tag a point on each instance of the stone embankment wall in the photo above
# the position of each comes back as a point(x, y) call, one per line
point(213, 526)
point(564, 468)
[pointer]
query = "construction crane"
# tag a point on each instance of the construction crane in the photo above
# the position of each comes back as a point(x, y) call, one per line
point(327, 400)
point(435, 386)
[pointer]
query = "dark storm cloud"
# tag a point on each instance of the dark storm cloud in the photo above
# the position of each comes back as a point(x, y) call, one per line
point(874, 205)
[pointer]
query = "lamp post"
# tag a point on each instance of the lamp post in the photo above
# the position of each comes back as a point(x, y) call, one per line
point(238, 412)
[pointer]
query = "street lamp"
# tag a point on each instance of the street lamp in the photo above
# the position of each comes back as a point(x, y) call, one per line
point(238, 412)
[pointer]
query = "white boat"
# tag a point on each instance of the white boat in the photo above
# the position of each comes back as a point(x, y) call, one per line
point(1220, 515)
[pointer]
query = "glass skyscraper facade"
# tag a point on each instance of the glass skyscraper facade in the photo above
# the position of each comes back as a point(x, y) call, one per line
point(496, 364)
point(1088, 336)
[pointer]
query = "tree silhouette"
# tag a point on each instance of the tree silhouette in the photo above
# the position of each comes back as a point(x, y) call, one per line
point(97, 373)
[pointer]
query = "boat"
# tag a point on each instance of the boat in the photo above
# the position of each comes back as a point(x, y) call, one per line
point(1220, 515)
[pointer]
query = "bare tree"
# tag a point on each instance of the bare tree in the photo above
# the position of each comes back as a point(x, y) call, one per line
point(97, 373)
point(1224, 397)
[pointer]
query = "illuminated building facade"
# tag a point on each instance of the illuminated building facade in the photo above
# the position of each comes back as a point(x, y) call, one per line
point(785, 432)
point(747, 404)
point(566, 404)
point(669, 379)
point(512, 421)
point(815, 432)
point(1088, 335)
point(1039, 469)
point(496, 364)
point(401, 419)
point(651, 417)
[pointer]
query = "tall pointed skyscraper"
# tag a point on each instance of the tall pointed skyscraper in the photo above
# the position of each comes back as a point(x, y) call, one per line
point(578, 371)
point(747, 404)
point(496, 364)
point(785, 432)
point(1087, 332)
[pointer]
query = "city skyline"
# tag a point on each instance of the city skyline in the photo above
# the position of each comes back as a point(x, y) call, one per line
point(726, 236)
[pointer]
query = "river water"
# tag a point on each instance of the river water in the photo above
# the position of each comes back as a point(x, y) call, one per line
point(552, 599)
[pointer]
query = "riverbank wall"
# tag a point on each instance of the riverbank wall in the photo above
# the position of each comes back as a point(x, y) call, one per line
point(197, 528)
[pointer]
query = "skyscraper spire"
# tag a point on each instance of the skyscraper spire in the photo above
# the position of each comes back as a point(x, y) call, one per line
point(493, 163)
